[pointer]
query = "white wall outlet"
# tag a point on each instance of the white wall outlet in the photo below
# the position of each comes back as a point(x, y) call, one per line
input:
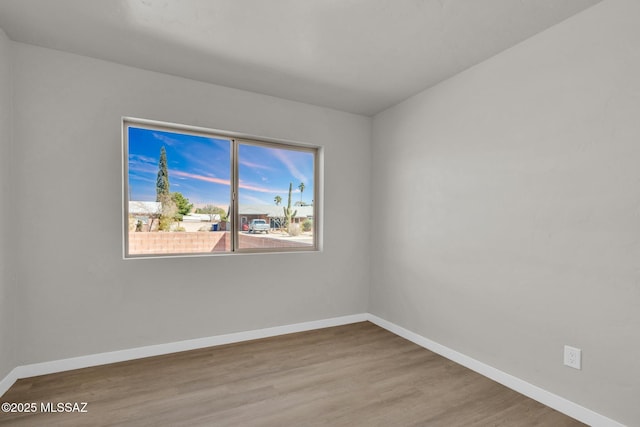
point(573, 357)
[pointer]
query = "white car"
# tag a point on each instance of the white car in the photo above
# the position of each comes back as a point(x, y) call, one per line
point(258, 225)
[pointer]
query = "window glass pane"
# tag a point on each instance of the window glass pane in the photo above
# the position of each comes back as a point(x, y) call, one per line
point(276, 188)
point(178, 193)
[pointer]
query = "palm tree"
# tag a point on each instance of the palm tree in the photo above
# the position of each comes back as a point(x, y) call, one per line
point(301, 188)
point(278, 200)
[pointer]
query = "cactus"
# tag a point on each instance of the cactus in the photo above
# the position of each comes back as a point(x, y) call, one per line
point(287, 210)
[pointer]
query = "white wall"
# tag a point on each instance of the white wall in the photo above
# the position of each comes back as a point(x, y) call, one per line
point(7, 209)
point(516, 189)
point(79, 296)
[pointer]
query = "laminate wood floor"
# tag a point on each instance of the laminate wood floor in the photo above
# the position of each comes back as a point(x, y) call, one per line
point(353, 375)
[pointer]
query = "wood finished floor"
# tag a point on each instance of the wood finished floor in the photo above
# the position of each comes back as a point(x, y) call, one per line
point(353, 375)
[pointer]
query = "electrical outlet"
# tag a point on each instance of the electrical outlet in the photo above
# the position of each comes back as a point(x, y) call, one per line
point(573, 357)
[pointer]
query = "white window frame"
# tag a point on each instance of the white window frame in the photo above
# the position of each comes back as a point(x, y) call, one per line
point(236, 139)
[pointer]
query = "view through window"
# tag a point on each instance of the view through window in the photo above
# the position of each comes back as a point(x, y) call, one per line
point(276, 196)
point(194, 192)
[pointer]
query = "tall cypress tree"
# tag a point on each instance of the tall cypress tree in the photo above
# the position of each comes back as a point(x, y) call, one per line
point(162, 182)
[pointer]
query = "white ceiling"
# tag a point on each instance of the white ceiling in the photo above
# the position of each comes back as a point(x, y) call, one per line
point(360, 56)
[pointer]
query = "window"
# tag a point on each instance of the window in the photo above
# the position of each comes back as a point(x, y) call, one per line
point(190, 191)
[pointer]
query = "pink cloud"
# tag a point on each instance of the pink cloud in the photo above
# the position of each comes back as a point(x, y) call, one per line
point(221, 181)
point(199, 177)
point(255, 165)
point(260, 189)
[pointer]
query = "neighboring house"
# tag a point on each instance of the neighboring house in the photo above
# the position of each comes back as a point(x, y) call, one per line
point(144, 212)
point(273, 214)
point(201, 218)
point(145, 208)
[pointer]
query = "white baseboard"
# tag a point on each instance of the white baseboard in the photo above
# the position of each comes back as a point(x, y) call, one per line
point(62, 365)
point(545, 397)
point(8, 381)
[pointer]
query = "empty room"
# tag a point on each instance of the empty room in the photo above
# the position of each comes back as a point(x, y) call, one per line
point(322, 212)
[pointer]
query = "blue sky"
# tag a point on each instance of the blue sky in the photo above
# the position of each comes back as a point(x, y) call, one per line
point(200, 169)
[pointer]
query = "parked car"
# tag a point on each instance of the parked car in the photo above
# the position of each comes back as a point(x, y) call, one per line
point(258, 225)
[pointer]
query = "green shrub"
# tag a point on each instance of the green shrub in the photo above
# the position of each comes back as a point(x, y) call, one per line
point(307, 225)
point(165, 223)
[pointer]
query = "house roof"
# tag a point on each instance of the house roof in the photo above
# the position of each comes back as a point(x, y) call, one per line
point(144, 208)
point(273, 211)
point(194, 217)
